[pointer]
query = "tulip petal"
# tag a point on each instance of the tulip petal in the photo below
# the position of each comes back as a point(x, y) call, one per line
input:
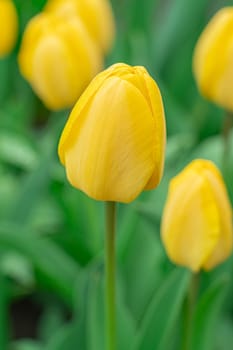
point(110, 153)
point(92, 13)
point(58, 58)
point(49, 81)
point(8, 26)
point(223, 246)
point(213, 71)
point(60, 70)
point(140, 79)
point(191, 223)
point(160, 135)
point(73, 120)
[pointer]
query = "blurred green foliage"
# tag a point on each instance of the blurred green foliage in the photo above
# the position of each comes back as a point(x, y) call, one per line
point(51, 235)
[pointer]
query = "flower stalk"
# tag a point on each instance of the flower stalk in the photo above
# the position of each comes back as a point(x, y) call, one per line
point(189, 311)
point(110, 266)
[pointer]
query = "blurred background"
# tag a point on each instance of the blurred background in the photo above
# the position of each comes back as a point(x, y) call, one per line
point(51, 235)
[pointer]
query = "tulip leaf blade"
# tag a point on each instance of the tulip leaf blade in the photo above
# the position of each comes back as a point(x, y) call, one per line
point(94, 312)
point(163, 311)
point(206, 314)
point(57, 271)
point(181, 21)
point(26, 344)
point(95, 316)
point(67, 337)
point(17, 150)
point(140, 290)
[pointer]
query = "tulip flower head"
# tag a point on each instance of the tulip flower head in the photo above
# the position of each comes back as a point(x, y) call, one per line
point(113, 143)
point(58, 58)
point(8, 26)
point(197, 220)
point(96, 15)
point(213, 59)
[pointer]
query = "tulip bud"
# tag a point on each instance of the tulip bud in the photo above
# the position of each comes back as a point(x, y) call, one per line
point(113, 143)
point(96, 15)
point(8, 26)
point(213, 59)
point(197, 220)
point(58, 58)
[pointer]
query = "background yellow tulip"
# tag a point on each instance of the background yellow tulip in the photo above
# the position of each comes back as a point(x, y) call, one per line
point(96, 15)
point(58, 58)
point(113, 143)
point(8, 26)
point(213, 59)
point(197, 220)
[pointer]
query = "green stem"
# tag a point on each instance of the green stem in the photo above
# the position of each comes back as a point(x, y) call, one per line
point(189, 309)
point(110, 303)
point(227, 126)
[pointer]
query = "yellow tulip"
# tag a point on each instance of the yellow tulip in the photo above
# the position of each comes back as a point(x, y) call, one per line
point(113, 143)
point(197, 220)
point(58, 58)
point(97, 15)
point(213, 59)
point(8, 26)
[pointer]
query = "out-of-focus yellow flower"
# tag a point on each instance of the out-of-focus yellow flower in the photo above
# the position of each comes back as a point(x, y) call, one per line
point(58, 58)
point(97, 15)
point(213, 59)
point(8, 26)
point(114, 141)
point(197, 220)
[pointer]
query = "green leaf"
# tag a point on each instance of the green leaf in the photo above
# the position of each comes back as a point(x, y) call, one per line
point(5, 86)
point(53, 317)
point(74, 335)
point(57, 269)
point(8, 187)
point(31, 191)
point(206, 315)
point(163, 312)
point(212, 149)
point(18, 268)
point(66, 337)
point(17, 150)
point(95, 315)
point(143, 253)
point(26, 345)
point(35, 184)
point(224, 334)
point(179, 22)
point(95, 312)
point(128, 223)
